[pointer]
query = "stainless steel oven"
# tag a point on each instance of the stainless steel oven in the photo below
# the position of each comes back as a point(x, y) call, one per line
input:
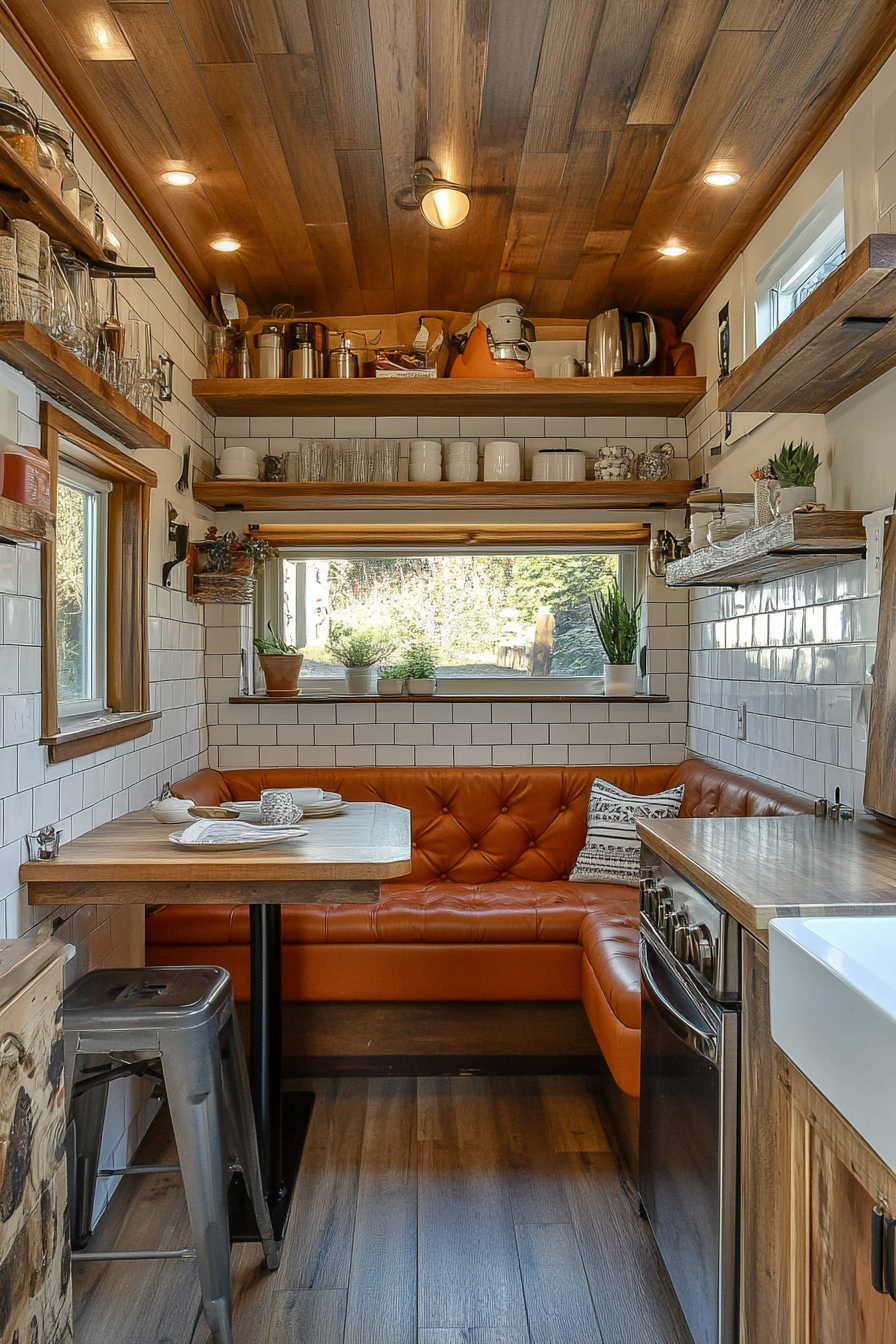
point(690, 1088)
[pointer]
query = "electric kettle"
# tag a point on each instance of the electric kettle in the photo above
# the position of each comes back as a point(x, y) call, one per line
point(620, 343)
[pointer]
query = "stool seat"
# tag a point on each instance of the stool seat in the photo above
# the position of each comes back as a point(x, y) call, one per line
point(118, 1022)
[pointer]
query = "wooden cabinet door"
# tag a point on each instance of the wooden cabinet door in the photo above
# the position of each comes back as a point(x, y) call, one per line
point(765, 1165)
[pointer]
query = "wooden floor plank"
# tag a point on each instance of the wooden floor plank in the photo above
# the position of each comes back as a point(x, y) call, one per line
point(558, 1299)
point(482, 1335)
point(632, 1294)
point(313, 1316)
point(382, 1291)
point(318, 1253)
point(572, 1116)
point(531, 1171)
point(468, 1270)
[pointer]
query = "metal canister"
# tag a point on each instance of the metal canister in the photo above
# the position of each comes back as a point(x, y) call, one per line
point(343, 363)
point(306, 362)
point(270, 353)
point(242, 359)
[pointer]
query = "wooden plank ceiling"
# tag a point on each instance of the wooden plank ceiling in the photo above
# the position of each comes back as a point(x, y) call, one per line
point(582, 127)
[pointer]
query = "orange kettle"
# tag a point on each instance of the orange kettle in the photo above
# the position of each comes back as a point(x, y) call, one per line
point(477, 361)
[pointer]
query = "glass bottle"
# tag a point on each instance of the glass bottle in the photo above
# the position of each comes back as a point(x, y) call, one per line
point(50, 158)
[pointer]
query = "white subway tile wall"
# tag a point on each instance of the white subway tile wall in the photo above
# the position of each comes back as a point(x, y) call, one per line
point(78, 795)
point(798, 653)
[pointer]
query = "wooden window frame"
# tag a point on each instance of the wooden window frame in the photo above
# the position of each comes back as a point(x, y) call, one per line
point(127, 626)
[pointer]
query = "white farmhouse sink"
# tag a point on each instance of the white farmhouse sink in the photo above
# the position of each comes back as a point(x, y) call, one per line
point(833, 1012)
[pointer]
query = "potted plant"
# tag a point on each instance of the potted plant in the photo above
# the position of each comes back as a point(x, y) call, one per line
point(616, 624)
point(794, 469)
point(358, 650)
point(224, 569)
point(390, 680)
point(281, 664)
point(420, 669)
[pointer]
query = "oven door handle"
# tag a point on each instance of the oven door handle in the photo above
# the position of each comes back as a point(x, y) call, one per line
point(700, 1042)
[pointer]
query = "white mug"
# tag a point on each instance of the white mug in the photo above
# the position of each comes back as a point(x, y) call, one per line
point(462, 471)
point(279, 808)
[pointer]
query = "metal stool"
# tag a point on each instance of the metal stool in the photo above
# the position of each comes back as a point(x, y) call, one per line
point(176, 1024)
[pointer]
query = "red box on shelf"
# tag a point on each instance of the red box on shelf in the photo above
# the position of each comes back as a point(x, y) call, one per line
point(25, 476)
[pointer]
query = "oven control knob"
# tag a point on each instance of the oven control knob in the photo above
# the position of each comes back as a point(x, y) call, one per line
point(684, 944)
point(648, 893)
point(675, 924)
point(705, 957)
point(663, 910)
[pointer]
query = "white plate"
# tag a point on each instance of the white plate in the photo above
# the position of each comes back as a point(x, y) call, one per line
point(239, 844)
point(331, 810)
point(226, 476)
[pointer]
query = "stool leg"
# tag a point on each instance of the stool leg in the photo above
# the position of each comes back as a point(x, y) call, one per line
point(88, 1111)
point(239, 1104)
point(191, 1063)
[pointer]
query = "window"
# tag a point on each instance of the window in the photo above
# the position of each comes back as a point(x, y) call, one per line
point(814, 249)
point(95, 660)
point(81, 548)
point(497, 621)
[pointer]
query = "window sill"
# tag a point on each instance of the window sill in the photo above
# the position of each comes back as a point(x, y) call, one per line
point(94, 732)
point(532, 697)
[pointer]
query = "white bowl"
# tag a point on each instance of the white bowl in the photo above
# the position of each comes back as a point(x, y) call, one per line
point(462, 471)
point(171, 811)
point(425, 471)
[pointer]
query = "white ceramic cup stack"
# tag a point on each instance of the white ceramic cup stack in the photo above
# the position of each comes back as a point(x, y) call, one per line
point(239, 462)
point(502, 461)
point(426, 460)
point(462, 460)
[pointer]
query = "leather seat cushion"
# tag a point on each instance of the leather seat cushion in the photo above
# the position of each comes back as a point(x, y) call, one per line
point(610, 947)
point(512, 911)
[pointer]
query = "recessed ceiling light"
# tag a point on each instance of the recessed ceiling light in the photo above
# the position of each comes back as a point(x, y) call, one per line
point(179, 179)
point(673, 250)
point(226, 245)
point(721, 178)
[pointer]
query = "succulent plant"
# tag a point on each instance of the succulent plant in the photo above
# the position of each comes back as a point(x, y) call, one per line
point(276, 643)
point(795, 465)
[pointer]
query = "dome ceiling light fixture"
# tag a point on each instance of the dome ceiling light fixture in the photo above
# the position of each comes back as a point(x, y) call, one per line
point(178, 177)
point(721, 177)
point(226, 245)
point(443, 204)
point(672, 250)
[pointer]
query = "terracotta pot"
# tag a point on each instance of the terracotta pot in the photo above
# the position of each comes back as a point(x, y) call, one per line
point(619, 679)
point(281, 672)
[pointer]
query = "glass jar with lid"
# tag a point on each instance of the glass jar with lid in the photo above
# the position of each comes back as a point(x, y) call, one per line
point(50, 157)
point(71, 186)
point(17, 126)
point(54, 142)
point(87, 209)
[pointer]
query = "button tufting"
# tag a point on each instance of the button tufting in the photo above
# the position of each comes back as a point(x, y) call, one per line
point(562, 807)
point(505, 874)
point(474, 845)
point(503, 809)
point(531, 844)
point(444, 809)
point(444, 877)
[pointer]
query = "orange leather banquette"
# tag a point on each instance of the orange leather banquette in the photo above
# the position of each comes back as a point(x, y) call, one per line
point(488, 911)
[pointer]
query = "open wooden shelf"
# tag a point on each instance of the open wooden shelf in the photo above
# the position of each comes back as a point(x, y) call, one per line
point(784, 546)
point(449, 396)
point(264, 496)
point(24, 195)
point(57, 372)
point(22, 523)
point(840, 339)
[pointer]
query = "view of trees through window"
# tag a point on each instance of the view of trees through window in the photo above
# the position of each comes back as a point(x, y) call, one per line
point(482, 615)
point(73, 565)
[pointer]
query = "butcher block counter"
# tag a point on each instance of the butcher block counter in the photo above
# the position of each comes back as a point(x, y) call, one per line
point(763, 868)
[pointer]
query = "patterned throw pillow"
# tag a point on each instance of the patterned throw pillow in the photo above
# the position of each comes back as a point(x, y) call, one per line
point(612, 850)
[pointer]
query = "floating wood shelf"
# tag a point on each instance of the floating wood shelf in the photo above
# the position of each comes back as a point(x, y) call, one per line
point(839, 340)
point(265, 496)
point(784, 546)
point(24, 195)
point(22, 523)
point(57, 372)
point(449, 396)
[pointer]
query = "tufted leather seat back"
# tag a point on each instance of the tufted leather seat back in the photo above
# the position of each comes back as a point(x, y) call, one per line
point(484, 825)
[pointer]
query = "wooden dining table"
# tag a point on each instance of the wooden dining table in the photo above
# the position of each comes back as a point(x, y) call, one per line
point(342, 859)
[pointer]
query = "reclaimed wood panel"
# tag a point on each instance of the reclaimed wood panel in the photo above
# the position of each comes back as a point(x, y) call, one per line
point(783, 546)
point(880, 778)
point(479, 86)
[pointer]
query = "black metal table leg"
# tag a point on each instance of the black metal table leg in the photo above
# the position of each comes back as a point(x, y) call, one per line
point(281, 1118)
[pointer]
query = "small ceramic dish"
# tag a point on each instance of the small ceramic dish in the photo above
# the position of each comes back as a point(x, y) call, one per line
point(215, 813)
point(170, 811)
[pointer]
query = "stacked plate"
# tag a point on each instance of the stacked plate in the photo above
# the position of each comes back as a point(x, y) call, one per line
point(329, 805)
point(462, 460)
point(425, 462)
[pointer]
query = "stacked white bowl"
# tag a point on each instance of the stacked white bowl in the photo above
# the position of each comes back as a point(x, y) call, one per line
point(501, 461)
point(426, 460)
point(238, 462)
point(462, 460)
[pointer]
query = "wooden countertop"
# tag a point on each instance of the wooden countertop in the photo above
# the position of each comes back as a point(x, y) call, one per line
point(762, 868)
